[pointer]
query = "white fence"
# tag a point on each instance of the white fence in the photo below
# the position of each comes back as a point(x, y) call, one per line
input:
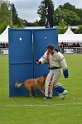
point(3, 50)
point(73, 50)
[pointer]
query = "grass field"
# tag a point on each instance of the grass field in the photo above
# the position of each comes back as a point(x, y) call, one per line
point(26, 110)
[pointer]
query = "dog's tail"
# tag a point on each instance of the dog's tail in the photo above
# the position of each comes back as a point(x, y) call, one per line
point(18, 85)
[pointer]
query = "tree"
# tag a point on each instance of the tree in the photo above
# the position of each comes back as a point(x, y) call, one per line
point(1, 1)
point(62, 26)
point(36, 23)
point(42, 12)
point(14, 15)
point(4, 16)
point(79, 13)
point(68, 13)
point(79, 30)
point(4, 13)
point(66, 6)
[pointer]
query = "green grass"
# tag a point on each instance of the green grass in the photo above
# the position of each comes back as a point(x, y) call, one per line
point(26, 110)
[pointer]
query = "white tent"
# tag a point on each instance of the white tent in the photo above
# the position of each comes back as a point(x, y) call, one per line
point(70, 37)
point(4, 36)
point(69, 31)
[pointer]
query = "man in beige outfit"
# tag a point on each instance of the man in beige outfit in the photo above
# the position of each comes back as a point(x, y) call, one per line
point(57, 65)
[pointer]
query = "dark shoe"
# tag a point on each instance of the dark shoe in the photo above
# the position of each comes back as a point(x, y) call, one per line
point(47, 97)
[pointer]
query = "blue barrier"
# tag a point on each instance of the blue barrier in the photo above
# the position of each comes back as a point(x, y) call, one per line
point(25, 46)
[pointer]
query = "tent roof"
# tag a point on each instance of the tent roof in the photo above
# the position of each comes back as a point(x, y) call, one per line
point(69, 31)
point(4, 35)
point(70, 37)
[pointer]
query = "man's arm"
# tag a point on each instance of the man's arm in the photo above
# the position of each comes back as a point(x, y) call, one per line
point(43, 59)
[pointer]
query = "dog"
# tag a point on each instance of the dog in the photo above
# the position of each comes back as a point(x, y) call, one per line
point(31, 84)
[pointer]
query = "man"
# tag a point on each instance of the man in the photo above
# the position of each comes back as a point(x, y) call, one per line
point(57, 65)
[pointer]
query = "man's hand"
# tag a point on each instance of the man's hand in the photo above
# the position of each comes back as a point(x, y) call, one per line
point(65, 72)
point(38, 62)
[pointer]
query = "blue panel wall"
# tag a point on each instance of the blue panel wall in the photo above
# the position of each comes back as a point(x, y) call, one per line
point(20, 59)
point(42, 38)
point(25, 46)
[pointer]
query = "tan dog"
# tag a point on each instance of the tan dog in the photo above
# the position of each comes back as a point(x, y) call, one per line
point(30, 84)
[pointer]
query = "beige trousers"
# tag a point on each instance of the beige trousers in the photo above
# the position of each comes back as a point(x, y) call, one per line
point(52, 80)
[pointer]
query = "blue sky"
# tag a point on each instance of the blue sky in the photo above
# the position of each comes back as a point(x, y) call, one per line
point(27, 9)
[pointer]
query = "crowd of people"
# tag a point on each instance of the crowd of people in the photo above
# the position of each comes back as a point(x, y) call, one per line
point(64, 45)
point(74, 46)
point(4, 45)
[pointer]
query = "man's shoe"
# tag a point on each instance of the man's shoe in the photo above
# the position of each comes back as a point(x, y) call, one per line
point(64, 94)
point(47, 97)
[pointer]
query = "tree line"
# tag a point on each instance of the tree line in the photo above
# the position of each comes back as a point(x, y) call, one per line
point(64, 16)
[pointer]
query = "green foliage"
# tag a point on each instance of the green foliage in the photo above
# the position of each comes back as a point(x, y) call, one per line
point(26, 110)
point(67, 6)
point(42, 13)
point(9, 16)
point(4, 13)
point(69, 16)
point(4, 16)
point(62, 27)
point(3, 26)
point(14, 15)
point(36, 23)
point(67, 12)
point(79, 13)
point(79, 30)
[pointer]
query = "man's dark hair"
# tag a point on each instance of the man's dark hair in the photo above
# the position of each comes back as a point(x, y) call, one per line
point(50, 46)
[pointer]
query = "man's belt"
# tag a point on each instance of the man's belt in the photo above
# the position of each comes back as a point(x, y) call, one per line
point(52, 68)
